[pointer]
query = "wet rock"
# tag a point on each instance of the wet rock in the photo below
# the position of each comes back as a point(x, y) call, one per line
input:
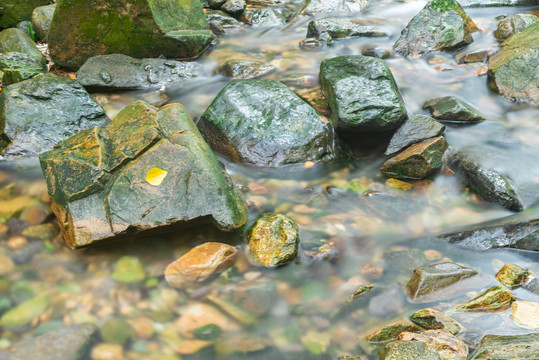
point(392, 331)
point(266, 16)
point(25, 313)
point(67, 343)
point(409, 350)
point(178, 30)
point(417, 161)
point(526, 314)
point(316, 342)
point(200, 263)
point(414, 130)
point(197, 315)
point(495, 299)
point(514, 24)
point(105, 351)
point(18, 67)
point(496, 3)
point(377, 52)
point(41, 231)
point(389, 302)
point(223, 21)
point(514, 276)
point(240, 344)
point(59, 108)
point(264, 123)
point(41, 20)
point(441, 25)
point(327, 30)
point(116, 331)
point(513, 70)
point(452, 109)
point(152, 169)
point(129, 270)
point(435, 320)
point(234, 7)
point(114, 72)
point(495, 173)
point(430, 279)
point(215, 4)
point(14, 40)
point(449, 347)
point(362, 94)
point(273, 240)
point(467, 57)
point(6, 265)
point(316, 7)
point(247, 68)
point(14, 11)
point(24, 26)
point(507, 347)
point(36, 213)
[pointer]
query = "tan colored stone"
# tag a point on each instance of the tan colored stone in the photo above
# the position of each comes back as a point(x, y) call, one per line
point(17, 242)
point(6, 265)
point(526, 314)
point(143, 327)
point(200, 263)
point(188, 347)
point(11, 207)
point(36, 213)
point(196, 315)
point(448, 345)
point(105, 351)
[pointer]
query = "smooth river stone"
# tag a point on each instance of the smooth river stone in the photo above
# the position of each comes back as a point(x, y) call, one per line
point(526, 314)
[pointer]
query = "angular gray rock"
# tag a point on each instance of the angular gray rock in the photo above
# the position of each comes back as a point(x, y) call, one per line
point(514, 24)
point(454, 110)
point(41, 20)
point(414, 130)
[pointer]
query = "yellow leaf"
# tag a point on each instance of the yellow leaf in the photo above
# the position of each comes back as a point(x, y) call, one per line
point(156, 176)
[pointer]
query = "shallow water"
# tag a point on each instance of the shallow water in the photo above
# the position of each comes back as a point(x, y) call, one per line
point(368, 234)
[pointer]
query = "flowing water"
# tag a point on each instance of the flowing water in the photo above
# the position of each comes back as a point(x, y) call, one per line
point(356, 228)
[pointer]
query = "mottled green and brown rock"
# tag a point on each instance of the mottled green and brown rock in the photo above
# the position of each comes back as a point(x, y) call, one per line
point(324, 31)
point(245, 68)
point(148, 169)
point(427, 281)
point(507, 347)
point(117, 330)
point(513, 69)
point(392, 331)
point(514, 24)
point(14, 11)
point(495, 299)
point(412, 131)
point(200, 263)
point(526, 314)
point(417, 161)
point(25, 313)
point(441, 25)
point(454, 110)
point(273, 240)
point(435, 320)
point(409, 350)
point(362, 93)
point(514, 276)
point(41, 20)
point(449, 347)
point(129, 269)
point(18, 67)
point(15, 40)
point(82, 29)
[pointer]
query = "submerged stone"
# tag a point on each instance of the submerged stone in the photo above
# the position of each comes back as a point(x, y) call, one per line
point(14, 40)
point(513, 69)
point(428, 280)
point(526, 314)
point(273, 240)
point(362, 93)
point(116, 330)
point(24, 313)
point(495, 299)
point(116, 71)
point(435, 320)
point(222, 21)
point(246, 68)
point(82, 29)
point(514, 24)
point(146, 170)
point(18, 67)
point(453, 109)
point(129, 270)
point(327, 30)
point(441, 25)
point(417, 161)
point(513, 276)
point(41, 20)
point(449, 347)
point(409, 350)
point(264, 123)
point(392, 331)
point(14, 11)
point(37, 113)
point(507, 347)
point(377, 52)
point(414, 130)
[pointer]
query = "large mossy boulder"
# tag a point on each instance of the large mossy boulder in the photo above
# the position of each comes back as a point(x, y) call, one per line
point(148, 170)
point(15, 40)
point(14, 11)
point(362, 94)
point(264, 123)
point(441, 25)
point(513, 69)
point(81, 29)
point(37, 113)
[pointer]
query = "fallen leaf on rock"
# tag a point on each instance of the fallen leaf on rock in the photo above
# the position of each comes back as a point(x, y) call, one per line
point(156, 176)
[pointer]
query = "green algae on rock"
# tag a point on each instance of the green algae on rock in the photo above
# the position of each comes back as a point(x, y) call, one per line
point(409, 350)
point(264, 123)
point(391, 331)
point(524, 346)
point(15, 40)
point(273, 240)
point(97, 178)
point(453, 109)
point(14, 11)
point(150, 28)
point(18, 67)
point(25, 313)
point(514, 276)
point(435, 320)
point(362, 94)
point(449, 347)
point(412, 131)
point(495, 299)
point(129, 269)
point(441, 25)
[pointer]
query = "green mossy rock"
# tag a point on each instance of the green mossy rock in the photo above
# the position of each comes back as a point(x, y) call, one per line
point(41, 20)
point(414, 130)
point(514, 24)
point(448, 346)
point(117, 331)
point(432, 319)
point(14, 11)
point(514, 276)
point(37, 113)
point(129, 270)
point(101, 184)
point(362, 94)
point(15, 40)
point(408, 350)
point(273, 240)
point(454, 110)
point(18, 67)
point(324, 31)
point(507, 347)
point(264, 123)
point(25, 313)
point(513, 69)
point(441, 25)
point(495, 299)
point(391, 331)
point(149, 28)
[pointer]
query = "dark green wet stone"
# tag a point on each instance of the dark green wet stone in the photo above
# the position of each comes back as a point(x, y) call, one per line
point(440, 25)
point(37, 113)
point(18, 67)
point(335, 28)
point(41, 20)
point(362, 93)
point(453, 109)
point(15, 40)
point(14, 11)
point(81, 29)
point(100, 175)
point(207, 332)
point(524, 346)
point(264, 123)
point(409, 350)
point(414, 130)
